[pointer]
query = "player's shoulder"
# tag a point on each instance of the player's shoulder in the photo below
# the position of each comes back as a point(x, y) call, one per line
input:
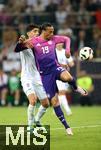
point(60, 36)
point(55, 36)
point(37, 39)
point(34, 39)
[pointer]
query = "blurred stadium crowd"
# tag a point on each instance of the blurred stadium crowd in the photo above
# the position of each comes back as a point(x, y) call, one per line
point(78, 19)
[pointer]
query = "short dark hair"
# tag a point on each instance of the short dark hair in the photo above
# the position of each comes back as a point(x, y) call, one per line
point(31, 27)
point(45, 25)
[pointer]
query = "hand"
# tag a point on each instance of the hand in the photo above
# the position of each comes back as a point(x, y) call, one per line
point(68, 54)
point(22, 39)
point(65, 66)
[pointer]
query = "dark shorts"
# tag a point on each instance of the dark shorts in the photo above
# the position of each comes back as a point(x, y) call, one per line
point(49, 81)
point(3, 87)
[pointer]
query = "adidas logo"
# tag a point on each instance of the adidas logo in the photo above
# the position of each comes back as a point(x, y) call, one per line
point(38, 44)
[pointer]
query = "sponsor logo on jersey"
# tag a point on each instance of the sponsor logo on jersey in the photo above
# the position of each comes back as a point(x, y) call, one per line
point(38, 44)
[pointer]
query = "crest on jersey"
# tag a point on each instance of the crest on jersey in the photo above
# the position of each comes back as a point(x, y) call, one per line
point(50, 42)
point(38, 44)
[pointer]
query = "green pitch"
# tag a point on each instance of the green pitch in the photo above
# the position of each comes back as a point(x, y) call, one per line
point(85, 121)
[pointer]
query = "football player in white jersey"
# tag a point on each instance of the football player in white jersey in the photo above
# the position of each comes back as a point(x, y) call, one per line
point(30, 77)
point(63, 87)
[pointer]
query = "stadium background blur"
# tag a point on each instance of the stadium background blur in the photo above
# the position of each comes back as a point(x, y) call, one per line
point(78, 19)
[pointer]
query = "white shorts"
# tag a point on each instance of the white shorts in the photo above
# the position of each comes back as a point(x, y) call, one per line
point(30, 87)
point(62, 86)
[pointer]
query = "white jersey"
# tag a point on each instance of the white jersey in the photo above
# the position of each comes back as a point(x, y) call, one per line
point(29, 69)
point(62, 58)
point(3, 80)
point(30, 77)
